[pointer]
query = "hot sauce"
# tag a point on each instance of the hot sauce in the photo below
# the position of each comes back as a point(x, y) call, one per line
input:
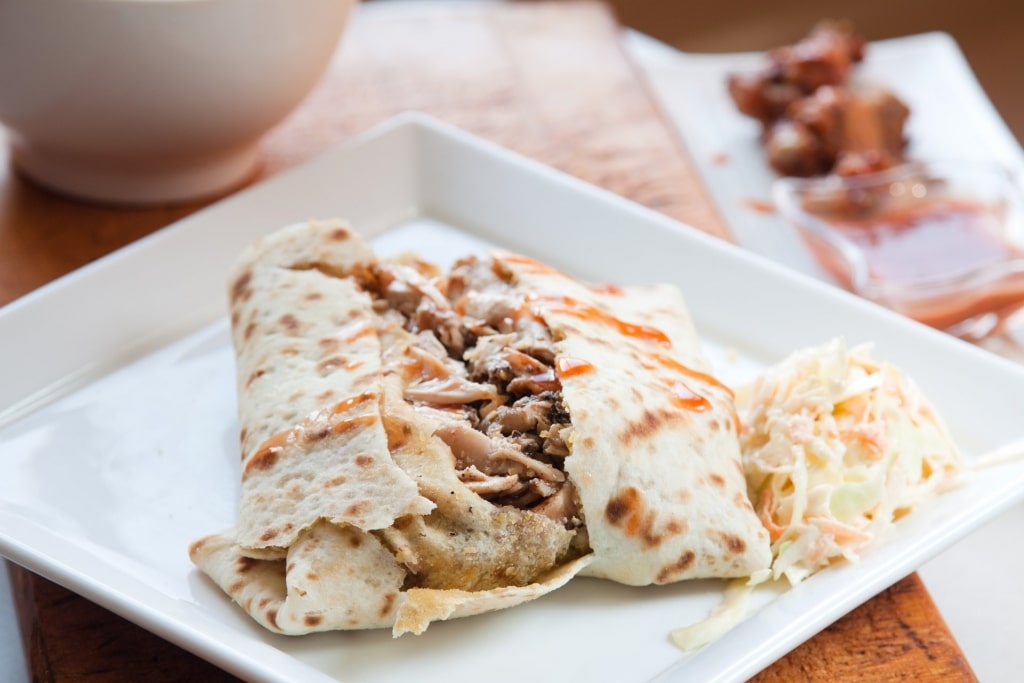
point(938, 261)
point(929, 240)
point(567, 366)
point(578, 309)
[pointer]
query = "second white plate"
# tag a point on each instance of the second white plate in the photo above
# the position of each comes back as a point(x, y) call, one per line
point(951, 118)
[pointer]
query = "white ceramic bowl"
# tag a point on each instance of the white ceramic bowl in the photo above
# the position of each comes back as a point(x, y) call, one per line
point(143, 101)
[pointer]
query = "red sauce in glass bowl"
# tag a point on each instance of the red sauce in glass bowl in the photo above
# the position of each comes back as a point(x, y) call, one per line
point(940, 241)
point(939, 261)
point(930, 240)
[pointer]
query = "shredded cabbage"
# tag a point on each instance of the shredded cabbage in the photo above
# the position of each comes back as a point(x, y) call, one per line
point(835, 448)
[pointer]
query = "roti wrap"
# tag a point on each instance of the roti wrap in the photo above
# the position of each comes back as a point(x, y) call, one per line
point(418, 446)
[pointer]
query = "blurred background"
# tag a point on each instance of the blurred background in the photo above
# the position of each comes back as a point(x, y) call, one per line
point(990, 32)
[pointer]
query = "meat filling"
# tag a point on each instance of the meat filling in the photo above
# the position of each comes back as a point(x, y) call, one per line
point(483, 366)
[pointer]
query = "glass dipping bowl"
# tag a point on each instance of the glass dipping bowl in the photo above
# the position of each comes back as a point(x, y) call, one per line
point(941, 242)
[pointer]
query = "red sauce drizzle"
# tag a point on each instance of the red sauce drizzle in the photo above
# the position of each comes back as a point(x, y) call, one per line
point(759, 205)
point(673, 364)
point(347, 424)
point(347, 404)
point(684, 397)
point(529, 264)
point(935, 240)
point(361, 332)
point(682, 394)
point(606, 288)
point(578, 309)
point(567, 366)
point(930, 239)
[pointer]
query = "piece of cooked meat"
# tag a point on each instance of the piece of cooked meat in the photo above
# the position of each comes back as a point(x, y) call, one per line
point(478, 363)
point(873, 121)
point(824, 57)
point(813, 120)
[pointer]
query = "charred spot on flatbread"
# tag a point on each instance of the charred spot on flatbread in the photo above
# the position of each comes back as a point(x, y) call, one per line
point(734, 544)
point(240, 288)
point(668, 573)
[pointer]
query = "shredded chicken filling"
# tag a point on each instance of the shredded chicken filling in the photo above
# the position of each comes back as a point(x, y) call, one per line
point(482, 365)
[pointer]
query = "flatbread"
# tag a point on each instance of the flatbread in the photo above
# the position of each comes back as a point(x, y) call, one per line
point(655, 456)
point(405, 459)
point(309, 385)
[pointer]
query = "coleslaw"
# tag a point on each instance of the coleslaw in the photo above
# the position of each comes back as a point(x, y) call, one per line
point(836, 447)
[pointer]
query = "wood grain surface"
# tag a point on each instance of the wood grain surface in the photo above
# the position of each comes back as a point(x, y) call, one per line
point(549, 80)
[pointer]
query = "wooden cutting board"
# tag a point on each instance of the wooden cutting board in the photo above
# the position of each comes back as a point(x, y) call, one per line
point(549, 80)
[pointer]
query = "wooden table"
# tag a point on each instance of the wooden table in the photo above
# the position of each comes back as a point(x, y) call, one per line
point(549, 80)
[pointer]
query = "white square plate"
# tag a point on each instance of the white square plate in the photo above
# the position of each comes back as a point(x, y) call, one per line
point(118, 435)
point(950, 118)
